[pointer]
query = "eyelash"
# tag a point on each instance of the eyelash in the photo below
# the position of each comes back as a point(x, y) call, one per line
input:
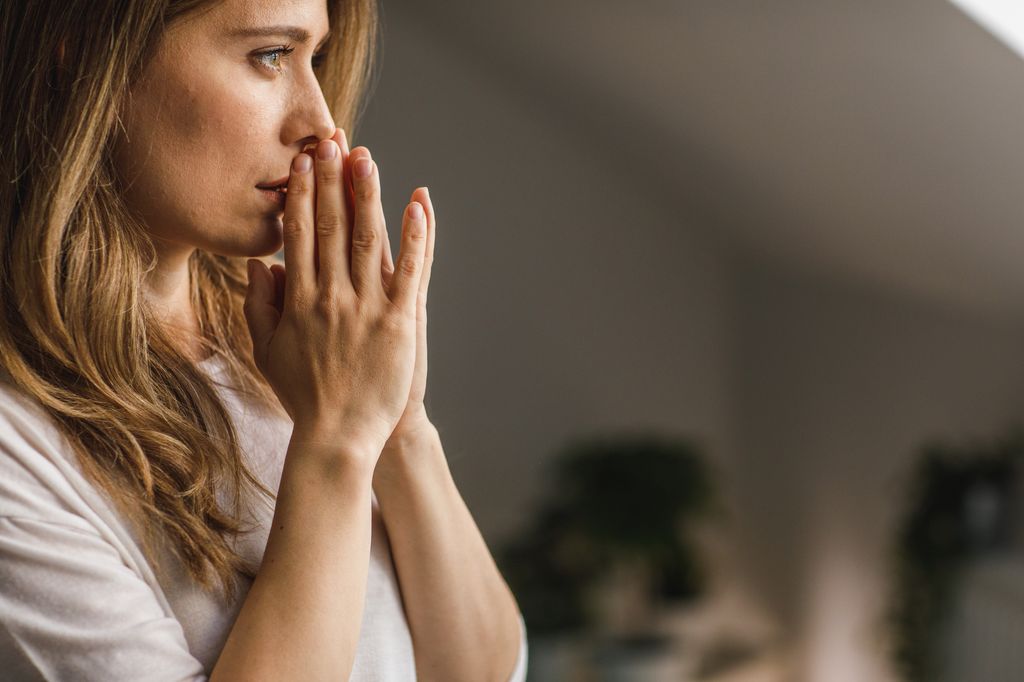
point(284, 52)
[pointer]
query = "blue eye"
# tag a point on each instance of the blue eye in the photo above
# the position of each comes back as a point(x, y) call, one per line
point(280, 53)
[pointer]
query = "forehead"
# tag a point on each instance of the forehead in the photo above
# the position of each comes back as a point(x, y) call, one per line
point(231, 18)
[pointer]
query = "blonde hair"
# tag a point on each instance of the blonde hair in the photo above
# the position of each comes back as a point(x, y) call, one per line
point(148, 427)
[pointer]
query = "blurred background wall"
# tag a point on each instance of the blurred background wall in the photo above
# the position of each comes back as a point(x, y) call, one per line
point(790, 230)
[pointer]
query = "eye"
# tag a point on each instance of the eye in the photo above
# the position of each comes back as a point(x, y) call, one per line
point(273, 59)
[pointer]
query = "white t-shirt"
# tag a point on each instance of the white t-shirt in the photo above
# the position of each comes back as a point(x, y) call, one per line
point(79, 601)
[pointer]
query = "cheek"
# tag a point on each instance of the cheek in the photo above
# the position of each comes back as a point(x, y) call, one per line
point(196, 154)
point(196, 148)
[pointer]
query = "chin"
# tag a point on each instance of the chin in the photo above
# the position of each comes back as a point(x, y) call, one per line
point(265, 240)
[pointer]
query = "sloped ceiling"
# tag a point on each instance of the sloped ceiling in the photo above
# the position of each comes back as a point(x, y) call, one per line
point(880, 140)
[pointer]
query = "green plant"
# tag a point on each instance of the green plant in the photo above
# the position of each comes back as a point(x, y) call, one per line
point(958, 511)
point(629, 496)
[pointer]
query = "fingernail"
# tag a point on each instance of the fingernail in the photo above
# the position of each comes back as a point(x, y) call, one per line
point(302, 163)
point(362, 168)
point(250, 265)
point(327, 149)
point(415, 210)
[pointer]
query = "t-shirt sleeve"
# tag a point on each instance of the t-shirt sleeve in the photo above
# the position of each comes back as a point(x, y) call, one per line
point(519, 673)
point(70, 609)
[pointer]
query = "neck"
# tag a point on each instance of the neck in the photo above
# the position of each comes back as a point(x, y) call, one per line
point(168, 292)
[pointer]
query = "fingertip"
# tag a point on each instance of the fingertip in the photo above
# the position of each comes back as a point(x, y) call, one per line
point(422, 194)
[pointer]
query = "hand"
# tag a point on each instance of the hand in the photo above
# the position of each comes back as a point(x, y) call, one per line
point(414, 423)
point(337, 347)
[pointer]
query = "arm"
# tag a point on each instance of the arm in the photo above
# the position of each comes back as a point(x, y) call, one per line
point(301, 618)
point(72, 609)
point(464, 619)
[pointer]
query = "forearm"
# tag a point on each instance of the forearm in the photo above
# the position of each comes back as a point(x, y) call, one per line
point(463, 617)
point(302, 615)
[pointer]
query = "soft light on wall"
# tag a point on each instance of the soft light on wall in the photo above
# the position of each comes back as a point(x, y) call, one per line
point(1003, 18)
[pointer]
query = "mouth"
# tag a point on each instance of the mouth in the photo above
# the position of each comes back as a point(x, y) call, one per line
point(275, 194)
point(281, 184)
point(275, 186)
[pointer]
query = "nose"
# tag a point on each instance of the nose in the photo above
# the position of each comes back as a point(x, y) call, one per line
point(310, 120)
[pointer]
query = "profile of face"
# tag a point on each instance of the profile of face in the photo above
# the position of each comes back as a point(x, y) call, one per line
point(220, 109)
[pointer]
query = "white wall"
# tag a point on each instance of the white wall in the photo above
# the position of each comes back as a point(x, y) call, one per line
point(567, 297)
point(563, 299)
point(839, 387)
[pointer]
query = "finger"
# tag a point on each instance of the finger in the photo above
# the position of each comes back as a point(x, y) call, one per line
point(346, 175)
point(422, 195)
point(261, 315)
point(279, 283)
point(369, 224)
point(298, 230)
point(387, 266)
point(405, 283)
point(331, 228)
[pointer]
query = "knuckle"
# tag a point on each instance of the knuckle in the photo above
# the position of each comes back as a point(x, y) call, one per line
point(328, 223)
point(408, 265)
point(394, 321)
point(366, 190)
point(328, 172)
point(326, 303)
point(299, 188)
point(364, 239)
point(292, 227)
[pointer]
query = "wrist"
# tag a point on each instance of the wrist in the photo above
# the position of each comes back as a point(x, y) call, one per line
point(334, 439)
point(413, 434)
point(410, 455)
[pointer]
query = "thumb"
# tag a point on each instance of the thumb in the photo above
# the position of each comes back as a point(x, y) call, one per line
point(261, 315)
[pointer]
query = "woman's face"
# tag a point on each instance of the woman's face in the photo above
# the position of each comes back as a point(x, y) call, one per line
point(212, 118)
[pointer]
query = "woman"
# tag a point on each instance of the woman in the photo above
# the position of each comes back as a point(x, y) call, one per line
point(208, 473)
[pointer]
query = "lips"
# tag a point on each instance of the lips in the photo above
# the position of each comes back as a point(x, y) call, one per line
point(280, 184)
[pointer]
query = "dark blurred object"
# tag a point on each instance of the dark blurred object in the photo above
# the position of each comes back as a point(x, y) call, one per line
point(962, 507)
point(614, 501)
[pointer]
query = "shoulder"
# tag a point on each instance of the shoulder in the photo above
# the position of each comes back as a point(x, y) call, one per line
point(39, 474)
point(22, 416)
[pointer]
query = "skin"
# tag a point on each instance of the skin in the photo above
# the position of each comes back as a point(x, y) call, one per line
point(208, 107)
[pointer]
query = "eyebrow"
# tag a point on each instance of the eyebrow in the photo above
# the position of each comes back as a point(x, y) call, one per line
point(296, 33)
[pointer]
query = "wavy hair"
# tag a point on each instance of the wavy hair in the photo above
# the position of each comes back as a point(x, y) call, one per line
point(147, 426)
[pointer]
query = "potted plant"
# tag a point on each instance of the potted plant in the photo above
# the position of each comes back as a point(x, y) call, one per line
point(961, 508)
point(617, 513)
